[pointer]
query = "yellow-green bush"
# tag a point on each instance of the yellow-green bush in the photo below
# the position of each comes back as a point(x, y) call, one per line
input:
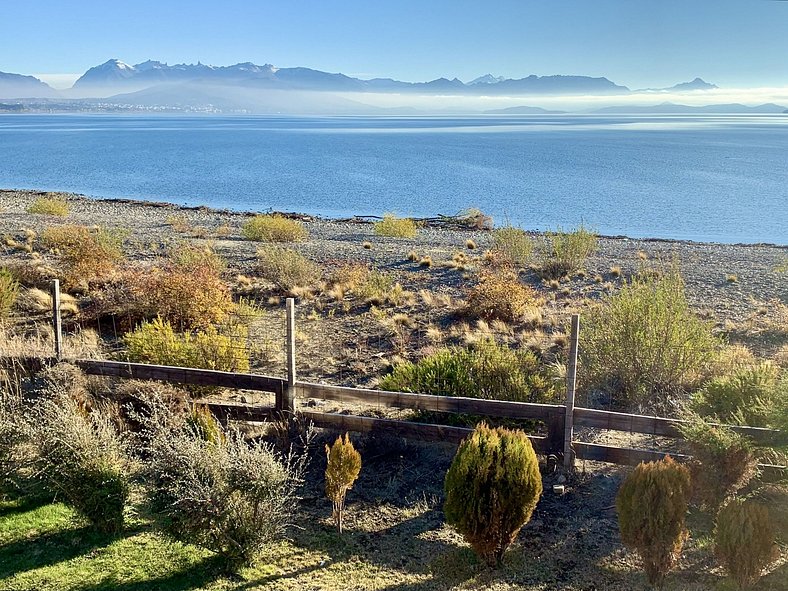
point(204, 425)
point(9, 290)
point(499, 295)
point(156, 342)
point(379, 287)
point(286, 268)
point(512, 245)
point(395, 227)
point(274, 228)
point(652, 505)
point(492, 487)
point(562, 253)
point(49, 206)
point(744, 540)
point(644, 343)
point(86, 253)
point(342, 470)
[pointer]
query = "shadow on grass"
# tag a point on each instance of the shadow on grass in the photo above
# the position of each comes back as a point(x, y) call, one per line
point(51, 548)
point(21, 505)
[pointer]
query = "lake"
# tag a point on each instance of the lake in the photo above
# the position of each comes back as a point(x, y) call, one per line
point(712, 178)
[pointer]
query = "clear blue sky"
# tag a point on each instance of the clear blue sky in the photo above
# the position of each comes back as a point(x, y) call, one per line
point(633, 42)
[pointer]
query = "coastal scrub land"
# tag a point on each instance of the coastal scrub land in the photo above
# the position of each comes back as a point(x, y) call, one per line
point(674, 328)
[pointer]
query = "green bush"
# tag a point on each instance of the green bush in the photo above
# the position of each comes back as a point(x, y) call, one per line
point(379, 287)
point(492, 487)
point(723, 461)
point(156, 342)
point(512, 245)
point(232, 498)
point(395, 227)
point(49, 206)
point(744, 541)
point(562, 253)
point(81, 460)
point(9, 290)
point(651, 505)
point(486, 370)
point(644, 344)
point(286, 268)
point(274, 228)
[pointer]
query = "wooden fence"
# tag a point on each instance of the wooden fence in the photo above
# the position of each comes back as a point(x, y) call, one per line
point(560, 419)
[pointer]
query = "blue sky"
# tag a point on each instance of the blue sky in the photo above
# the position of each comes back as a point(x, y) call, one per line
point(742, 43)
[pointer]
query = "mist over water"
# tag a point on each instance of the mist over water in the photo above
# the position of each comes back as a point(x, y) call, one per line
point(716, 178)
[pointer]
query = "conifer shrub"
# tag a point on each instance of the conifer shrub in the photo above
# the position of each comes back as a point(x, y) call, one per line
point(82, 460)
point(49, 206)
point(500, 296)
point(274, 228)
point(395, 227)
point(204, 425)
point(232, 498)
point(485, 370)
point(512, 245)
point(286, 268)
point(744, 540)
point(342, 470)
point(9, 290)
point(562, 253)
point(644, 343)
point(651, 505)
point(492, 488)
point(87, 254)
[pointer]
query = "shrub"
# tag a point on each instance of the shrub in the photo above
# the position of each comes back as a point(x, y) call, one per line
point(744, 540)
point(9, 290)
point(157, 342)
point(644, 342)
point(395, 227)
point(205, 426)
point(492, 487)
point(16, 455)
point(723, 461)
point(500, 296)
point(486, 370)
point(86, 253)
point(286, 268)
point(651, 505)
point(512, 245)
point(342, 469)
point(49, 206)
point(274, 228)
point(379, 287)
point(81, 459)
point(232, 499)
point(562, 253)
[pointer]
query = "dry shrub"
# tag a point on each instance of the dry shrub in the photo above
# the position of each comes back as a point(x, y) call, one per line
point(87, 254)
point(33, 273)
point(16, 444)
point(652, 504)
point(286, 268)
point(395, 227)
point(512, 245)
point(744, 540)
point(562, 253)
point(49, 206)
point(500, 295)
point(9, 290)
point(274, 228)
point(138, 401)
point(492, 488)
point(342, 470)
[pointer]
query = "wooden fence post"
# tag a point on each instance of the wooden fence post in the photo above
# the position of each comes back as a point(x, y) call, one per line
point(571, 382)
point(57, 324)
point(288, 391)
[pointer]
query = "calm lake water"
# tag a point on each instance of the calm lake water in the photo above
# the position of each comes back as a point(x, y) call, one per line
point(718, 178)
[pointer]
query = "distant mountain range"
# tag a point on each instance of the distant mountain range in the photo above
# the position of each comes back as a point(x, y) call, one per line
point(16, 86)
point(668, 108)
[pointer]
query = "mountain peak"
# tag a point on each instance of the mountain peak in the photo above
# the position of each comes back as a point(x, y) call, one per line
point(487, 79)
point(696, 84)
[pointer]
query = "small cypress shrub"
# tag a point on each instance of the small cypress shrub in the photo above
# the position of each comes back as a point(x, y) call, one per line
point(204, 425)
point(344, 465)
point(9, 290)
point(492, 488)
point(744, 540)
point(652, 504)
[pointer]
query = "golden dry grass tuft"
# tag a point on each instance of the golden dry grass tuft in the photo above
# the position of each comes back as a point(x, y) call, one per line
point(394, 227)
point(49, 206)
point(274, 228)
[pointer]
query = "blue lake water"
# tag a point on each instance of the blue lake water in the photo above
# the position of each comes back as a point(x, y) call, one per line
point(717, 178)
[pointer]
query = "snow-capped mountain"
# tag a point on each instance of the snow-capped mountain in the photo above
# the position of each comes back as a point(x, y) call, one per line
point(486, 79)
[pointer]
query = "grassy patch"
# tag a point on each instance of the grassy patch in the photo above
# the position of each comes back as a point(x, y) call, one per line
point(274, 228)
point(395, 227)
point(49, 206)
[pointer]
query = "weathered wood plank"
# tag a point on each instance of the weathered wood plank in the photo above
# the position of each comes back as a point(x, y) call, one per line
point(428, 402)
point(619, 455)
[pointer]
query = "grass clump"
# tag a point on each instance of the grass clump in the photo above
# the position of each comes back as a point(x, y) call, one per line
point(651, 505)
point(9, 291)
point(486, 370)
point(644, 344)
point(394, 227)
point(49, 206)
point(492, 488)
point(562, 253)
point(500, 296)
point(379, 287)
point(156, 342)
point(342, 470)
point(744, 540)
point(232, 498)
point(274, 228)
point(286, 268)
point(86, 253)
point(512, 245)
